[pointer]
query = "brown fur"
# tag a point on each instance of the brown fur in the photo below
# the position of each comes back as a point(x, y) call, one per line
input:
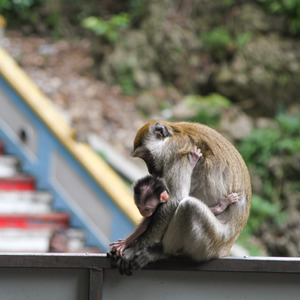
point(185, 225)
point(221, 172)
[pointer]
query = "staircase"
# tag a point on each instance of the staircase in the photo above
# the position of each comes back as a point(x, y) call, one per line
point(27, 221)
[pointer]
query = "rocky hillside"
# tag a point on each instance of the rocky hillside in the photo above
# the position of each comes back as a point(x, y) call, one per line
point(234, 65)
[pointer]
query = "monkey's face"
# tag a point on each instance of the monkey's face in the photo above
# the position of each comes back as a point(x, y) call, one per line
point(149, 145)
point(147, 208)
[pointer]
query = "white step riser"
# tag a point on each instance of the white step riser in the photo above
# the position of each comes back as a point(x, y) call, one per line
point(35, 240)
point(28, 202)
point(33, 196)
point(25, 202)
point(9, 166)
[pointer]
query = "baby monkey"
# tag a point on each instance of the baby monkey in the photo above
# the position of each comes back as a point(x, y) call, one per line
point(149, 193)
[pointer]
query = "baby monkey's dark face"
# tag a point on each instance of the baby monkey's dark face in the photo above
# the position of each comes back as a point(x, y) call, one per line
point(147, 207)
point(149, 193)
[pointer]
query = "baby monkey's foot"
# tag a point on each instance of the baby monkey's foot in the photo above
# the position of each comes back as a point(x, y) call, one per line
point(194, 156)
point(224, 203)
point(231, 198)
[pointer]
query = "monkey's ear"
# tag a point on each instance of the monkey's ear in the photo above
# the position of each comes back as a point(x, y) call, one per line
point(161, 131)
point(164, 196)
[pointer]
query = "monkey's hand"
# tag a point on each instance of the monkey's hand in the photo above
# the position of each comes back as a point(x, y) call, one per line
point(123, 263)
point(116, 258)
point(119, 247)
point(194, 156)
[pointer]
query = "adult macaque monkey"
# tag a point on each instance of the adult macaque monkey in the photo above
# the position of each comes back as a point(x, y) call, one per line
point(185, 225)
point(149, 193)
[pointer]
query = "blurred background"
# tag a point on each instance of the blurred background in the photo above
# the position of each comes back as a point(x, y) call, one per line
point(109, 66)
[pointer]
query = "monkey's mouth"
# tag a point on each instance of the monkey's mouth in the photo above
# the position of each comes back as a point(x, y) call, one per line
point(146, 156)
point(153, 168)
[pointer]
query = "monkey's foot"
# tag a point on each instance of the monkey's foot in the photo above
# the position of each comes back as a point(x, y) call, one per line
point(224, 203)
point(231, 198)
point(148, 255)
point(194, 156)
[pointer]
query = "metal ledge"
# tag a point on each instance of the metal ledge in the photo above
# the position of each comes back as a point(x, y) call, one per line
point(90, 276)
point(91, 260)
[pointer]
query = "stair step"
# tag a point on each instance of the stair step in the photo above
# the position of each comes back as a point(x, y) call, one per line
point(27, 221)
point(36, 240)
point(76, 239)
point(9, 165)
point(51, 221)
point(1, 147)
point(31, 202)
point(19, 182)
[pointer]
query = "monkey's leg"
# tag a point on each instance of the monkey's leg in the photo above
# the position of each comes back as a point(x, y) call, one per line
point(147, 255)
point(224, 203)
point(194, 231)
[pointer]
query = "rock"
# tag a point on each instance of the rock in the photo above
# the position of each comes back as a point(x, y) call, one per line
point(285, 240)
point(263, 123)
point(266, 71)
point(252, 17)
point(148, 103)
point(236, 123)
point(146, 80)
point(183, 112)
point(153, 102)
point(256, 183)
point(165, 50)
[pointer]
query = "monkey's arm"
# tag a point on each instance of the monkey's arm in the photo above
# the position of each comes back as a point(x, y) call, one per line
point(178, 177)
point(139, 230)
point(158, 224)
point(156, 228)
point(122, 244)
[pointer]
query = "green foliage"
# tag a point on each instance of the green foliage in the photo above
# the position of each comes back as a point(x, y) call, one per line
point(247, 241)
point(218, 41)
point(259, 147)
point(242, 40)
point(123, 73)
point(228, 3)
point(126, 82)
point(137, 9)
point(268, 154)
point(265, 143)
point(17, 4)
point(262, 210)
point(221, 43)
point(17, 11)
point(290, 9)
point(109, 30)
point(208, 109)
